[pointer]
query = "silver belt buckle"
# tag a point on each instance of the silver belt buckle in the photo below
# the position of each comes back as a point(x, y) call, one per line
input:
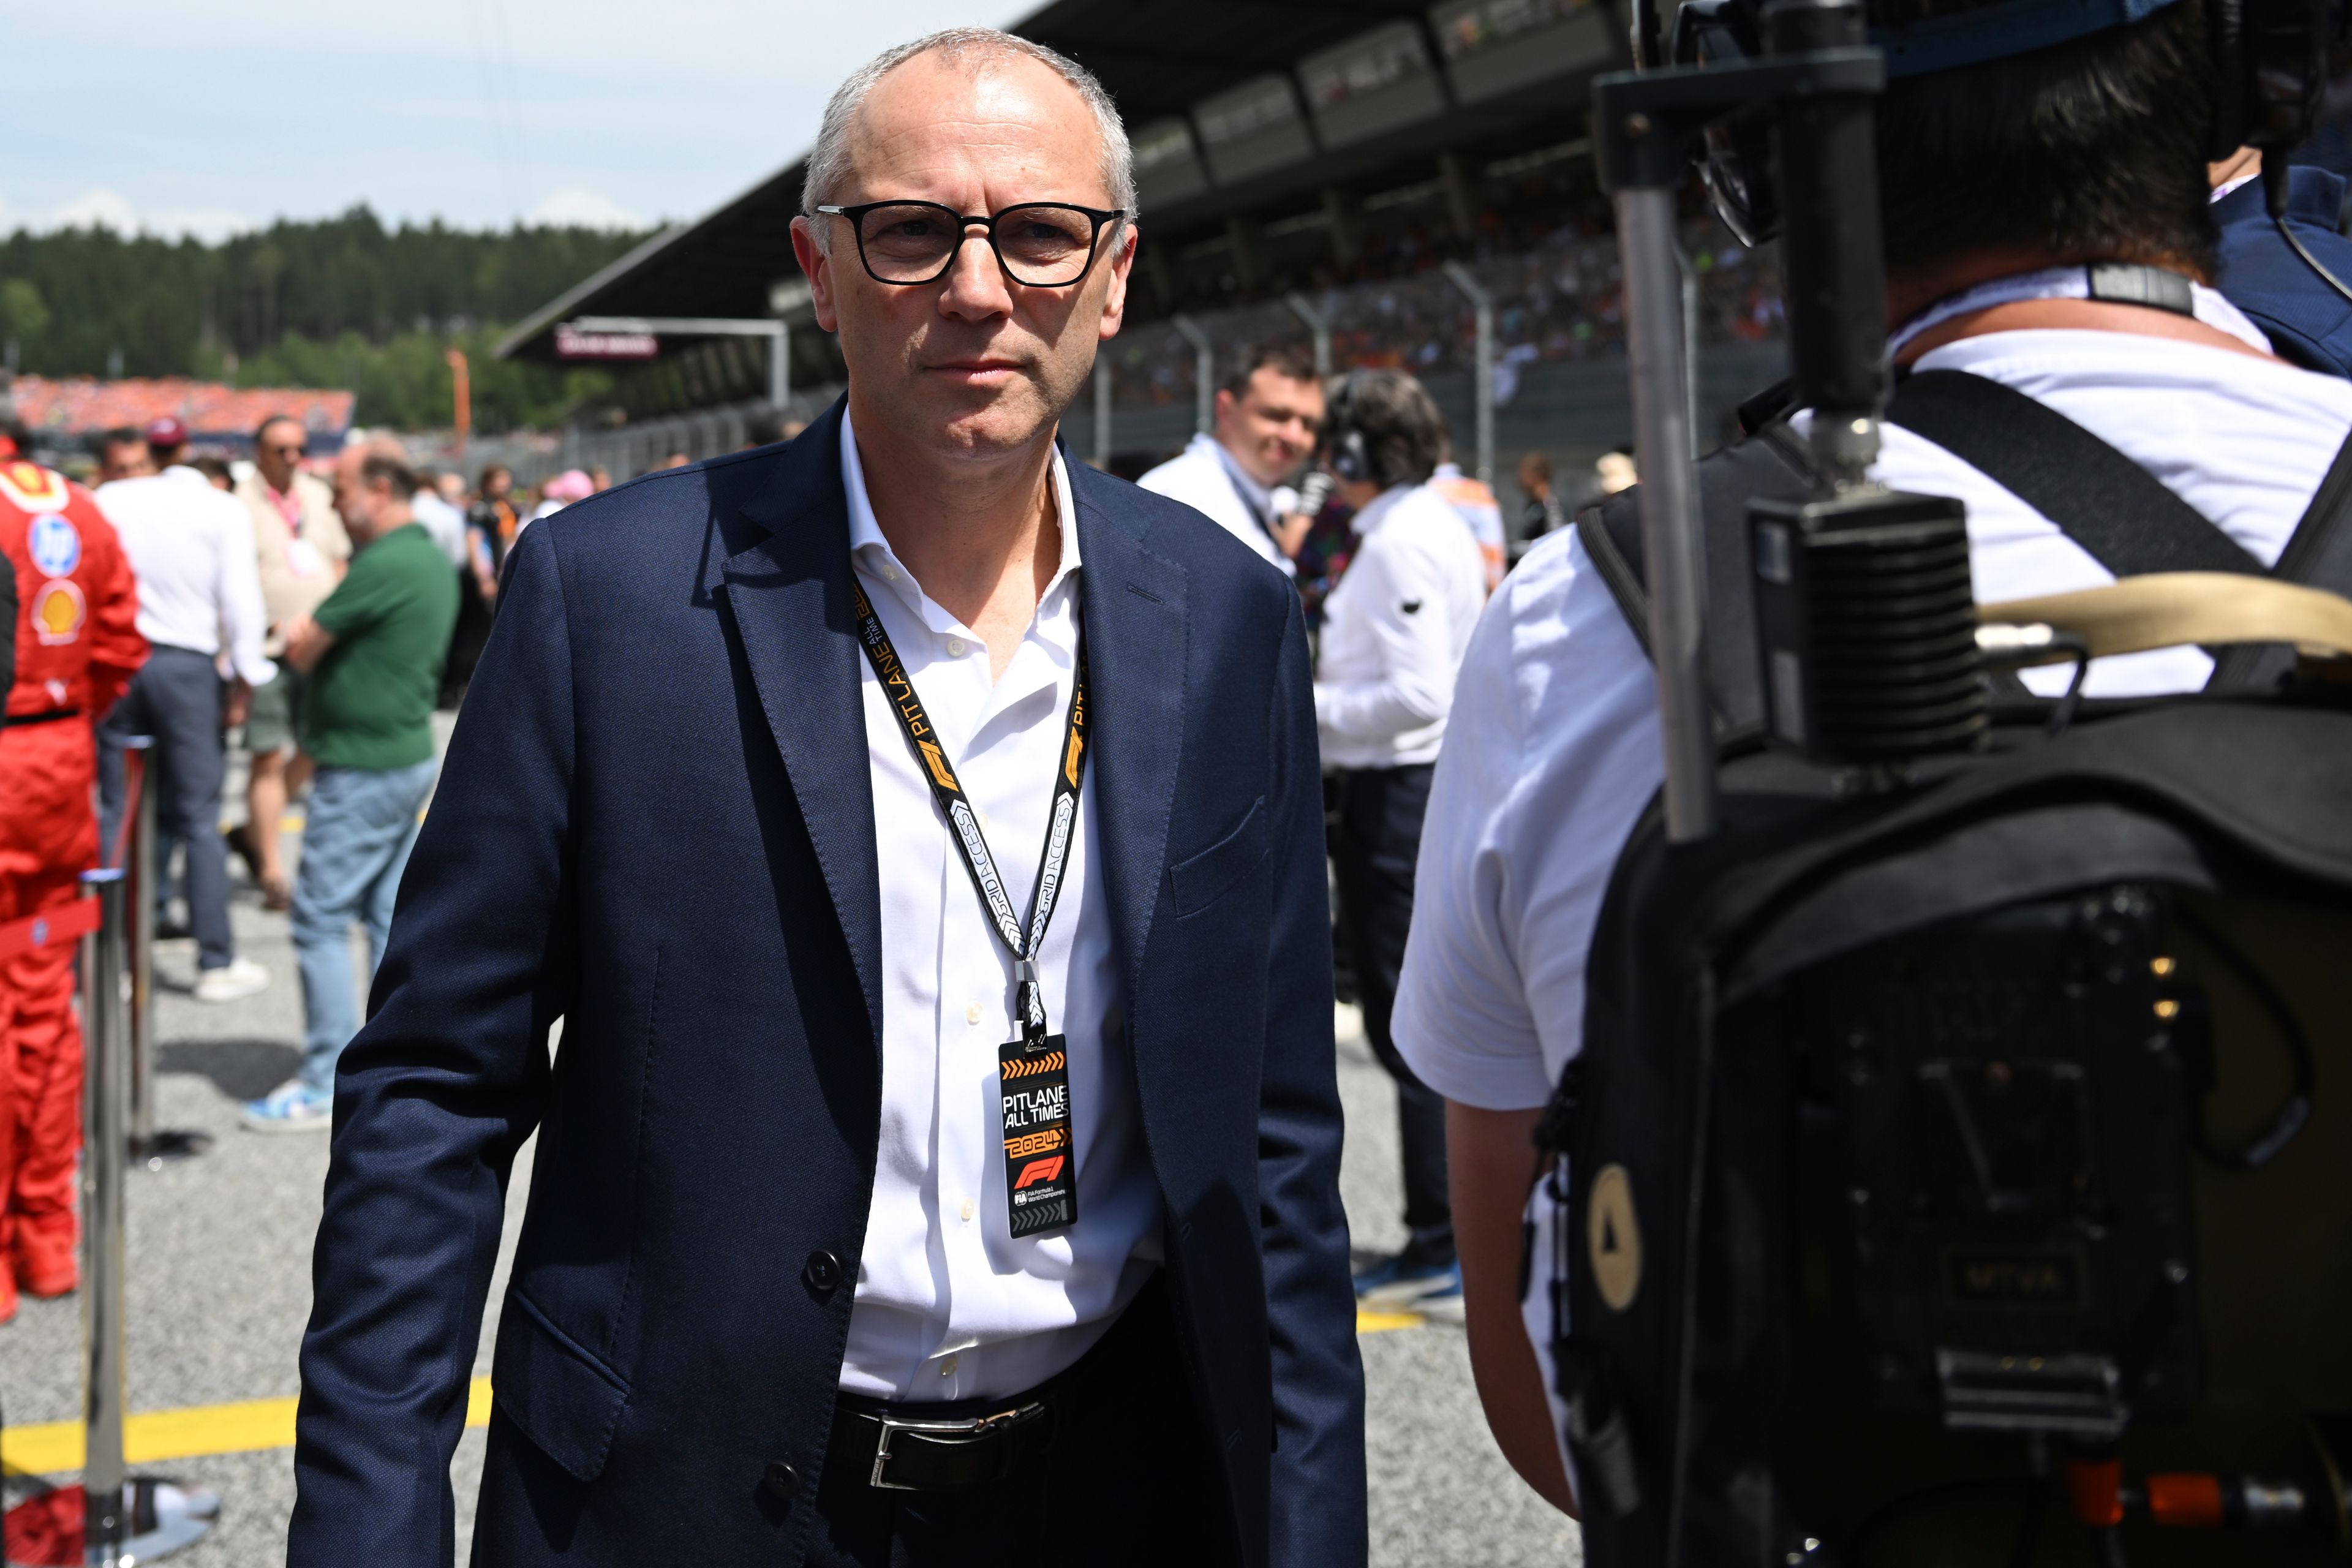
point(978, 1427)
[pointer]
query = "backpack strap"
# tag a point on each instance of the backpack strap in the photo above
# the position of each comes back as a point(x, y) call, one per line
point(2318, 554)
point(2122, 515)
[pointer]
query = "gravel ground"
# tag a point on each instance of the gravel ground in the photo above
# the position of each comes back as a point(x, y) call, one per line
point(219, 1250)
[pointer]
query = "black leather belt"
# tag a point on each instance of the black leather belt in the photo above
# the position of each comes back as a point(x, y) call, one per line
point(17, 721)
point(889, 1448)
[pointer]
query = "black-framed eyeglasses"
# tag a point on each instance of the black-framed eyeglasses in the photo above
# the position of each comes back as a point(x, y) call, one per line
point(1040, 245)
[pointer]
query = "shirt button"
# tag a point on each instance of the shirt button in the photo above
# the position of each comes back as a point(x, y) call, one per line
point(821, 1273)
point(971, 1013)
point(955, 647)
point(889, 573)
point(966, 1211)
point(947, 1367)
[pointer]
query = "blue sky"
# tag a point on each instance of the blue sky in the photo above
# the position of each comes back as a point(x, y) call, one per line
point(204, 118)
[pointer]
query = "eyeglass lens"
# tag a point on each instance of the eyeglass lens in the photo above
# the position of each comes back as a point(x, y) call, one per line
point(1042, 245)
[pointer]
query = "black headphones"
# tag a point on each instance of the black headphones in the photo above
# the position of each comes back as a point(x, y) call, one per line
point(2270, 68)
point(1346, 452)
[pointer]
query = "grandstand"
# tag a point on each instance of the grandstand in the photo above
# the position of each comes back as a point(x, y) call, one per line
point(1363, 176)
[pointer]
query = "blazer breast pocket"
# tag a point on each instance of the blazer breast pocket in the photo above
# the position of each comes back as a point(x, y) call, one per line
point(1202, 880)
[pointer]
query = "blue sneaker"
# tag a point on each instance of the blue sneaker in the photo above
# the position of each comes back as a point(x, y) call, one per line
point(292, 1107)
point(1393, 1282)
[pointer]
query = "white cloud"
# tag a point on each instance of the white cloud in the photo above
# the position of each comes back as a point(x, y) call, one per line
point(102, 208)
point(576, 208)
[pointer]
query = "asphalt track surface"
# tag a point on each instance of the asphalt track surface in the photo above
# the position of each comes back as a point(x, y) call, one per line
point(219, 1289)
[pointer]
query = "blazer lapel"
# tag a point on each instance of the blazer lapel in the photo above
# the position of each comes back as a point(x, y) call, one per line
point(788, 593)
point(1136, 636)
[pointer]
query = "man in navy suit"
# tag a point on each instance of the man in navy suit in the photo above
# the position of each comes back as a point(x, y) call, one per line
point(920, 839)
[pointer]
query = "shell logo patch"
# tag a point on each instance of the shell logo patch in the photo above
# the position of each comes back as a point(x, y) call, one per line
point(32, 487)
point(1612, 1238)
point(55, 544)
point(58, 611)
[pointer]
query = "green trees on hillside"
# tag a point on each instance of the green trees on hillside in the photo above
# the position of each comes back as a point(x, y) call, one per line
point(343, 302)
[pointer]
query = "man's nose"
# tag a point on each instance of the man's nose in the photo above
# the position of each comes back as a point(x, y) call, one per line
point(976, 285)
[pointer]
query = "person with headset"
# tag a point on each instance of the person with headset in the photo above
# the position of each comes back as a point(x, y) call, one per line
point(1393, 632)
point(2050, 244)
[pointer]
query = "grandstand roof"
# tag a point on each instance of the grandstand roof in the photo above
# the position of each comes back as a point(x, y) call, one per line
point(1237, 105)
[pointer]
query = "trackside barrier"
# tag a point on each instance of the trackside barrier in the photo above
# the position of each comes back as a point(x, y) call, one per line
point(137, 856)
point(122, 1520)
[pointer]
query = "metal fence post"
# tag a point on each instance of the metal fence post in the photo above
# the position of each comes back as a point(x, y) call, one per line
point(779, 367)
point(125, 1519)
point(140, 898)
point(1483, 392)
point(1204, 372)
point(106, 1061)
point(1318, 323)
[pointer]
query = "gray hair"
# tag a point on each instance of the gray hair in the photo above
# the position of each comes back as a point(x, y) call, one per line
point(828, 162)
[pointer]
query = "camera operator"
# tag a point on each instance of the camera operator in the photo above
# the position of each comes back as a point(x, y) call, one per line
point(2004, 176)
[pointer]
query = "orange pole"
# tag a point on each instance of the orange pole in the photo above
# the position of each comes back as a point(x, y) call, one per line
point(461, 389)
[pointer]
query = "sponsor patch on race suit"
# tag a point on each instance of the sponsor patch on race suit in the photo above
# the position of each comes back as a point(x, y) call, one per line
point(55, 544)
point(32, 487)
point(58, 611)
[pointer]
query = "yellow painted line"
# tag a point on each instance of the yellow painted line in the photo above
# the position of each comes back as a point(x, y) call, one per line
point(1369, 1321)
point(157, 1436)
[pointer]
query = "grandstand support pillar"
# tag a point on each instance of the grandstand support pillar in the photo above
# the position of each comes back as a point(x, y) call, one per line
point(1318, 323)
point(1454, 176)
point(780, 366)
point(1204, 372)
point(1482, 390)
point(1102, 410)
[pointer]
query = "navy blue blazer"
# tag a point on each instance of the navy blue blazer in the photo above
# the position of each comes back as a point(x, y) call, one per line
point(2307, 321)
point(656, 824)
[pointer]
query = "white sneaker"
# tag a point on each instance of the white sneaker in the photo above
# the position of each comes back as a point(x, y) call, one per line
point(239, 978)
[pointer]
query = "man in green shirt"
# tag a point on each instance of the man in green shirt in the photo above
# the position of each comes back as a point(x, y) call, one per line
point(372, 652)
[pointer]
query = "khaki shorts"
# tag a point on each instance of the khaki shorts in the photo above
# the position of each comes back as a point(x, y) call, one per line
point(270, 722)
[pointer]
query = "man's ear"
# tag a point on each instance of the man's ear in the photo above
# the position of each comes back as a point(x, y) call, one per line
point(1122, 268)
point(818, 266)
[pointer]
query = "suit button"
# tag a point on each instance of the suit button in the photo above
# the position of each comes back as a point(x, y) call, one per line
point(821, 1273)
point(782, 1482)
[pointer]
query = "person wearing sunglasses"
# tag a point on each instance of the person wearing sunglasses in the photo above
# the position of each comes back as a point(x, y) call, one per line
point(301, 552)
point(920, 836)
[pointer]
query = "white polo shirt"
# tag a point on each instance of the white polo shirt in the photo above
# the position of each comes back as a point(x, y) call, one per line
point(947, 1305)
point(1394, 629)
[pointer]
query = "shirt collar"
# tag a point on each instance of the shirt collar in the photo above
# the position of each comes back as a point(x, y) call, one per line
point(872, 552)
point(1255, 496)
point(1367, 522)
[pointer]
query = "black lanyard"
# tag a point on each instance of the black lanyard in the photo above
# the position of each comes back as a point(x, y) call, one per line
point(1061, 825)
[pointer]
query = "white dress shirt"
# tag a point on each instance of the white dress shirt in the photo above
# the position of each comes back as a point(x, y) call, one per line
point(1204, 477)
point(1394, 630)
point(949, 1306)
point(443, 523)
point(190, 547)
point(1553, 753)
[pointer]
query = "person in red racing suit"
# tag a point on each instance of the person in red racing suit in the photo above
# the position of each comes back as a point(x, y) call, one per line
point(78, 646)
